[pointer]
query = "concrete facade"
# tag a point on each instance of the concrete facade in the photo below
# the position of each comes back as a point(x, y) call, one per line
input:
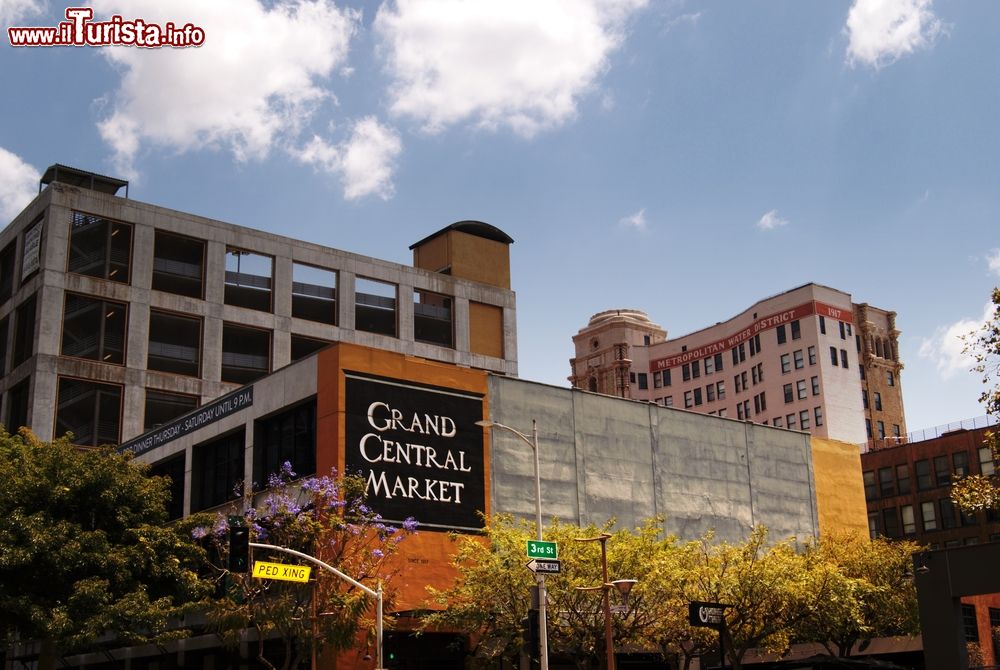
point(30, 384)
point(795, 360)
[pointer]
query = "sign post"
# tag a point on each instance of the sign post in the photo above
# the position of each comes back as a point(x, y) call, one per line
point(710, 615)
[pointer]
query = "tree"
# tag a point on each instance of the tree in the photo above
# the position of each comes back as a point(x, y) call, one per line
point(327, 518)
point(975, 493)
point(871, 594)
point(84, 550)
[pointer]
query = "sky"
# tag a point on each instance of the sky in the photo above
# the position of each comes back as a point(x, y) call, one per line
point(683, 158)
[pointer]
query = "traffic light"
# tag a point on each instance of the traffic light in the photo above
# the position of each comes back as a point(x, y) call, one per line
point(239, 548)
point(530, 633)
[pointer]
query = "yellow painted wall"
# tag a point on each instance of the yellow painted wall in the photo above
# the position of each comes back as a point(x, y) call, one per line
point(485, 329)
point(840, 491)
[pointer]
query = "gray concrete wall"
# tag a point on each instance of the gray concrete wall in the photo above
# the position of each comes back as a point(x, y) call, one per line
point(603, 457)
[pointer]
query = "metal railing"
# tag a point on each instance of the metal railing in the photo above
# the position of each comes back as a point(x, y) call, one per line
point(966, 424)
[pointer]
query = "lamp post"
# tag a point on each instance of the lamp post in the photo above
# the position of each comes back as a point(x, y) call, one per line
point(622, 585)
point(543, 636)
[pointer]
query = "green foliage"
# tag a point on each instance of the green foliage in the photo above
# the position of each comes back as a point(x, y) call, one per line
point(327, 518)
point(976, 493)
point(83, 547)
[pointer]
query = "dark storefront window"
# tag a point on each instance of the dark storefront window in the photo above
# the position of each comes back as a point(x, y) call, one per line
point(217, 472)
point(287, 437)
point(173, 468)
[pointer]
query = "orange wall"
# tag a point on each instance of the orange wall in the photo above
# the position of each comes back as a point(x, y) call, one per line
point(840, 491)
point(485, 329)
point(425, 558)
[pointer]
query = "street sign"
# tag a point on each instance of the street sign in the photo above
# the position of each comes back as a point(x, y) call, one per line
point(282, 571)
point(542, 549)
point(619, 609)
point(707, 615)
point(548, 566)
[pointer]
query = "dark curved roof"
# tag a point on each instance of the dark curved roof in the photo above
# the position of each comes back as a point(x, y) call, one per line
point(82, 178)
point(477, 228)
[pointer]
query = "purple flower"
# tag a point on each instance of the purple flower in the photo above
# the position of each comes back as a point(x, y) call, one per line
point(377, 553)
point(286, 470)
point(259, 531)
point(410, 524)
point(199, 533)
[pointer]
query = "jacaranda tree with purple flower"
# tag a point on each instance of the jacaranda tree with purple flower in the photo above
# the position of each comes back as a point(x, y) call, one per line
point(325, 517)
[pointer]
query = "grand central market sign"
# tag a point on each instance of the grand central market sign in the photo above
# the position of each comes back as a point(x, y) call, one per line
point(419, 450)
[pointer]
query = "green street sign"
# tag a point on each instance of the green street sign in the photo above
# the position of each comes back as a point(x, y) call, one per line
point(541, 549)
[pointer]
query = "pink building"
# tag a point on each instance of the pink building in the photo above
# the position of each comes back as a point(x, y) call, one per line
point(806, 359)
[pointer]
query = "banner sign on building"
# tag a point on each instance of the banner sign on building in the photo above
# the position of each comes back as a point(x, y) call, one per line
point(419, 450)
point(32, 250)
point(193, 420)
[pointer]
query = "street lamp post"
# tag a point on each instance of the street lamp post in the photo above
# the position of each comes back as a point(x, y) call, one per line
point(622, 585)
point(543, 636)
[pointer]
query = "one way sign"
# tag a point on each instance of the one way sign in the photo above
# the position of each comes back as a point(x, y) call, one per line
point(548, 566)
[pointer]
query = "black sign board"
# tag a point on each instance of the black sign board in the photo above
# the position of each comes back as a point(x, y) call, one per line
point(707, 615)
point(419, 449)
point(193, 420)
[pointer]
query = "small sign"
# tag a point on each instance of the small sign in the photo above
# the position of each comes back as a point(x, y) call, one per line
point(707, 615)
point(282, 571)
point(542, 549)
point(548, 566)
point(619, 609)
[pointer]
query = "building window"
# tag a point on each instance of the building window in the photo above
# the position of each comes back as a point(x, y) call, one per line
point(960, 463)
point(173, 469)
point(248, 279)
point(709, 365)
point(800, 387)
point(864, 399)
point(822, 324)
point(789, 395)
point(718, 362)
point(94, 329)
point(861, 372)
point(878, 400)
point(178, 264)
point(688, 400)
point(246, 353)
point(666, 377)
point(657, 380)
point(786, 364)
point(217, 471)
point(434, 322)
point(804, 419)
point(790, 421)
point(969, 625)
point(695, 369)
point(833, 356)
point(868, 428)
point(7, 259)
point(643, 381)
point(697, 396)
point(90, 410)
point(781, 334)
point(796, 330)
point(631, 377)
point(942, 471)
point(304, 346)
point(948, 518)
point(776, 421)
point(871, 490)
point(815, 385)
point(4, 330)
point(922, 469)
point(986, 464)
point(909, 523)
point(24, 333)
point(812, 355)
point(843, 334)
point(314, 294)
point(287, 437)
point(710, 393)
point(890, 378)
point(18, 398)
point(929, 516)
point(686, 372)
point(895, 430)
point(668, 401)
point(100, 248)
point(873, 527)
point(903, 478)
point(760, 403)
point(890, 522)
point(843, 358)
point(163, 407)
point(818, 414)
point(720, 390)
point(799, 363)
point(886, 485)
point(375, 306)
point(881, 429)
point(174, 343)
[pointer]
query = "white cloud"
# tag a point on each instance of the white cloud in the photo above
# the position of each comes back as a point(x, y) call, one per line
point(771, 220)
point(254, 83)
point(993, 261)
point(635, 221)
point(882, 31)
point(944, 348)
point(13, 12)
point(689, 19)
point(521, 64)
point(18, 185)
point(365, 161)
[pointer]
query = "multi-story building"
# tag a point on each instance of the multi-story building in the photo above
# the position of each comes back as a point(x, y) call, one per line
point(807, 359)
point(117, 316)
point(908, 490)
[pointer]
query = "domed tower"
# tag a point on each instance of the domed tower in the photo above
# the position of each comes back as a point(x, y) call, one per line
point(604, 350)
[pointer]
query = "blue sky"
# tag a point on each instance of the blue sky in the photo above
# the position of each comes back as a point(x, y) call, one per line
point(683, 158)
